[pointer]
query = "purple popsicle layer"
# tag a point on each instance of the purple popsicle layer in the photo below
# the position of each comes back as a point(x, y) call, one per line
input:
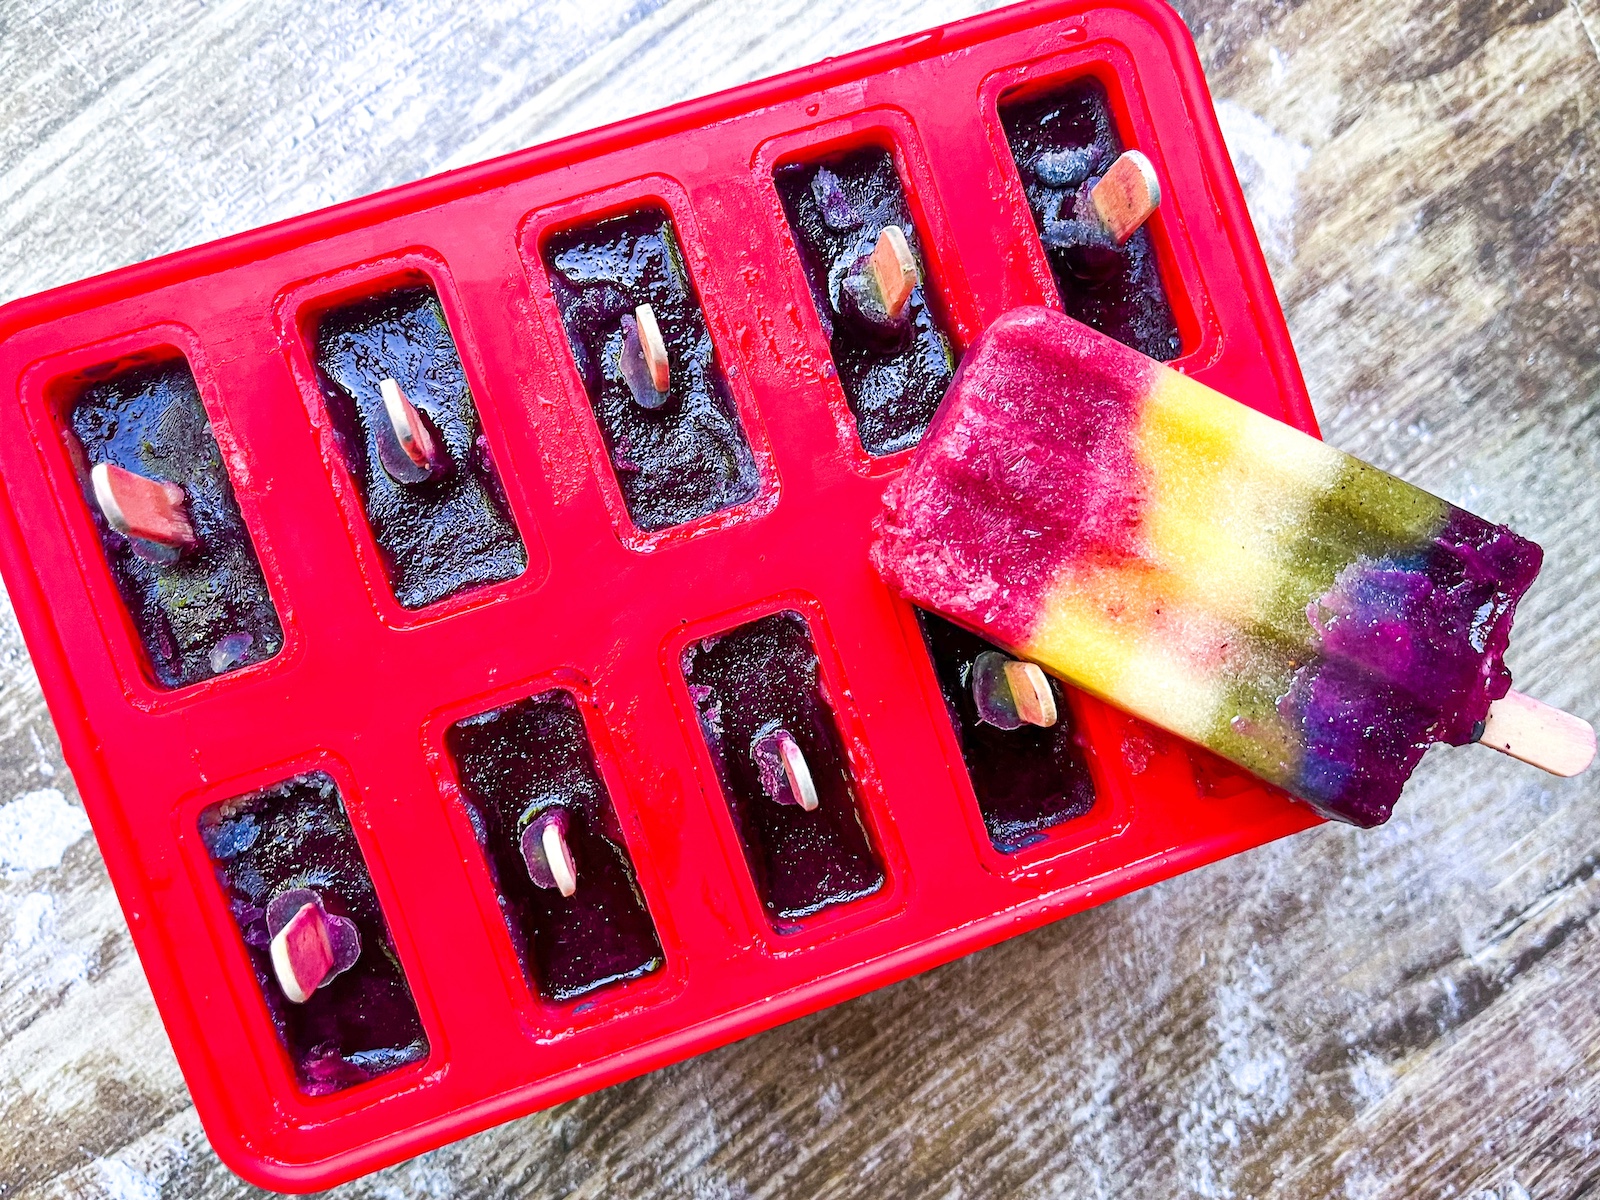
point(445, 534)
point(1063, 141)
point(205, 610)
point(1027, 779)
point(685, 455)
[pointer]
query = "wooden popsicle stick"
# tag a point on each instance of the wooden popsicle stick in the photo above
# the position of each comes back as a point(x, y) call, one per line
point(1537, 734)
point(302, 954)
point(546, 853)
point(1127, 194)
point(797, 772)
point(143, 508)
point(559, 856)
point(894, 269)
point(409, 430)
point(653, 347)
point(1030, 692)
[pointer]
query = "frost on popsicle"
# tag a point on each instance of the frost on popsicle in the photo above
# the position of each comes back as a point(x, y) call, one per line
point(1212, 570)
point(300, 893)
point(550, 834)
point(858, 247)
point(170, 526)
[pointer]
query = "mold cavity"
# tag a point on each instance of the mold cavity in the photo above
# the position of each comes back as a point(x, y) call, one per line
point(545, 820)
point(1027, 778)
point(176, 544)
point(660, 396)
point(1063, 142)
point(893, 359)
point(758, 692)
point(304, 903)
point(405, 422)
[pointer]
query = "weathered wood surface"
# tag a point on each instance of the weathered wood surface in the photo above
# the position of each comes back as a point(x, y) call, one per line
point(1408, 1012)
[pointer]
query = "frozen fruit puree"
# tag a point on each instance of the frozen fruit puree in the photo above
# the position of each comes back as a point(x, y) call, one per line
point(205, 610)
point(293, 843)
point(532, 761)
point(1063, 142)
point(751, 686)
point(1203, 566)
point(679, 457)
point(893, 372)
point(1026, 779)
point(443, 534)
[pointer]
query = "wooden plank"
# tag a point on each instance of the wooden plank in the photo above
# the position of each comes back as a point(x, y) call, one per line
point(1404, 1012)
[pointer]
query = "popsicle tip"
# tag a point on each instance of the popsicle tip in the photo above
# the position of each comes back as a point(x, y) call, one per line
point(1539, 734)
point(894, 270)
point(548, 855)
point(1126, 196)
point(302, 953)
point(422, 459)
point(148, 509)
point(653, 347)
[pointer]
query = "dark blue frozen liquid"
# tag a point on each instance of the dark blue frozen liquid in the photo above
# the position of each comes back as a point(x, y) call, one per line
point(445, 535)
point(294, 835)
point(753, 679)
point(893, 377)
point(205, 610)
point(1026, 779)
point(515, 763)
point(1062, 142)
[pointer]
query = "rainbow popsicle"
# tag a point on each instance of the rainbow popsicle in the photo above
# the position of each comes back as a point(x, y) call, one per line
point(1205, 567)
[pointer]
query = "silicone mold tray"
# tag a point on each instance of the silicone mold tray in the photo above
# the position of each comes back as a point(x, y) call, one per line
point(364, 690)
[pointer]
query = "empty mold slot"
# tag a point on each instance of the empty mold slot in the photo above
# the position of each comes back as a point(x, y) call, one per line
point(173, 536)
point(1026, 778)
point(670, 424)
point(782, 765)
point(892, 357)
point(1062, 142)
point(544, 817)
point(304, 903)
point(405, 422)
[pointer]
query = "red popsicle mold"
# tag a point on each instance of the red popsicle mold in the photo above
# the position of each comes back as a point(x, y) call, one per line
point(364, 689)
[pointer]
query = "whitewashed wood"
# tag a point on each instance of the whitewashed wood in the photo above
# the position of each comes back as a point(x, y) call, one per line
point(1405, 1012)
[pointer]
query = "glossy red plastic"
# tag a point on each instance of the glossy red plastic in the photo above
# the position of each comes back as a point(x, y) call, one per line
point(603, 608)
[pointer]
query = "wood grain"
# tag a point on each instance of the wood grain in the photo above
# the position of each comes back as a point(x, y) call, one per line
point(1407, 1012)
